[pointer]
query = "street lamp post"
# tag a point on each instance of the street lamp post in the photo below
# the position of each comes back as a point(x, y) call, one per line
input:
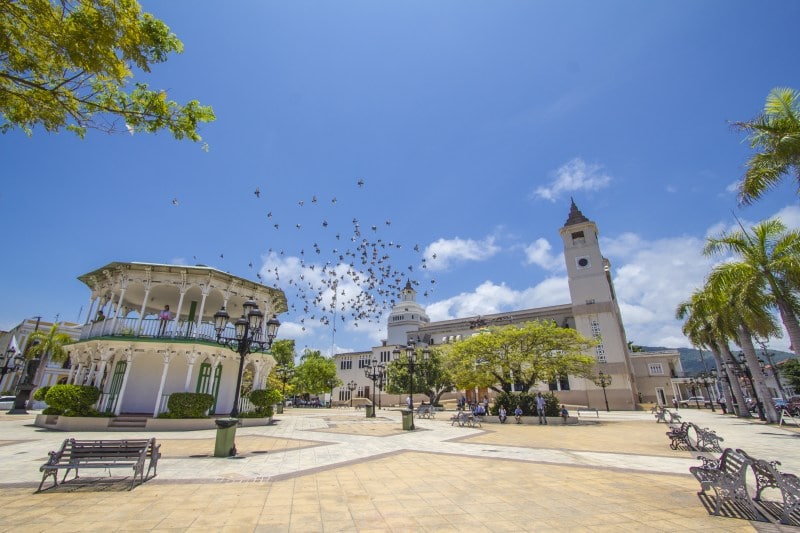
point(246, 340)
point(774, 368)
point(351, 387)
point(603, 380)
point(11, 361)
point(694, 393)
point(381, 384)
point(411, 362)
point(374, 372)
point(704, 381)
point(285, 372)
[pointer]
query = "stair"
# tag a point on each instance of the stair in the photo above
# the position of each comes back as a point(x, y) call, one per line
point(128, 422)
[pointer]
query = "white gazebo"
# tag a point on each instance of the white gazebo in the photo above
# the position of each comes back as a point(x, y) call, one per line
point(138, 359)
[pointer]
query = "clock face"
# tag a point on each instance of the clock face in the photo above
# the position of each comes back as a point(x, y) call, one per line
point(583, 262)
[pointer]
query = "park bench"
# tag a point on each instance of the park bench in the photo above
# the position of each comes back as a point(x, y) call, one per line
point(727, 476)
point(77, 454)
point(680, 435)
point(706, 439)
point(588, 410)
point(425, 411)
point(767, 475)
point(465, 418)
point(668, 417)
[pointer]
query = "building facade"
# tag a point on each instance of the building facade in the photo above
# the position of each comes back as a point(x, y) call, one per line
point(593, 310)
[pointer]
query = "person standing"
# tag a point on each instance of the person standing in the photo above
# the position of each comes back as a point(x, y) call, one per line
point(164, 317)
point(540, 404)
point(486, 404)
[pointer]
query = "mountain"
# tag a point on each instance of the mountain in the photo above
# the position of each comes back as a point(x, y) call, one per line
point(693, 359)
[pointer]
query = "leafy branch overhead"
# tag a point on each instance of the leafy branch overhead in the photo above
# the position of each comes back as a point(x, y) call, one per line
point(69, 65)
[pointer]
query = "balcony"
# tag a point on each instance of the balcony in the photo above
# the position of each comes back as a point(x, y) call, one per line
point(148, 328)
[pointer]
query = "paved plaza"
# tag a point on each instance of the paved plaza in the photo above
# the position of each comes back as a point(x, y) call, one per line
point(335, 470)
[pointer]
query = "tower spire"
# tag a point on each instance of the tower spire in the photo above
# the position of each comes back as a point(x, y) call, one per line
point(575, 215)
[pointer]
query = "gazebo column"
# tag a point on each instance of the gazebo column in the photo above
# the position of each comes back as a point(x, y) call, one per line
point(124, 387)
point(119, 305)
point(178, 311)
point(206, 290)
point(92, 301)
point(143, 308)
point(167, 358)
point(190, 360)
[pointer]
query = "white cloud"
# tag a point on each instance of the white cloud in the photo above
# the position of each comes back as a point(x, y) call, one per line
point(790, 215)
point(489, 298)
point(575, 175)
point(733, 187)
point(439, 255)
point(539, 253)
point(652, 278)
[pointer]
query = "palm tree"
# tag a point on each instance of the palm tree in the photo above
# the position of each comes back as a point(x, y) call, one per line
point(776, 134)
point(47, 346)
point(770, 263)
point(748, 308)
point(708, 326)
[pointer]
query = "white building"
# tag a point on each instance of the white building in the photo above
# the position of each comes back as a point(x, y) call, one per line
point(593, 311)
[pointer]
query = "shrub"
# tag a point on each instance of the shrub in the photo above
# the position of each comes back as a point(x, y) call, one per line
point(73, 400)
point(527, 401)
point(189, 404)
point(40, 393)
point(264, 399)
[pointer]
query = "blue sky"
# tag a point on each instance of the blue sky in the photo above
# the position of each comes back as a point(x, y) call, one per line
point(471, 124)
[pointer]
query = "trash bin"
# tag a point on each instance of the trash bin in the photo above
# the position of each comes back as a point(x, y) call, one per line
point(279, 409)
point(226, 436)
point(408, 419)
point(370, 409)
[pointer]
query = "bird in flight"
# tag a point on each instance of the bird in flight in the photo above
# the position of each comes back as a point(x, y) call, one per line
point(360, 182)
point(257, 192)
point(174, 201)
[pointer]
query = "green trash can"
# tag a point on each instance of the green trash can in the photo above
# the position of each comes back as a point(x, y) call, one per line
point(408, 419)
point(370, 409)
point(279, 409)
point(225, 445)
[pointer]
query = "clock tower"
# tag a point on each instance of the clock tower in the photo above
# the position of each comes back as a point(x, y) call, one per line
point(596, 311)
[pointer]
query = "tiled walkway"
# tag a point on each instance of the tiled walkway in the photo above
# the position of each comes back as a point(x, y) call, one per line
point(333, 470)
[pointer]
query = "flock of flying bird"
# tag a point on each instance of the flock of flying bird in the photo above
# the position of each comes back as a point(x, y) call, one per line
point(349, 277)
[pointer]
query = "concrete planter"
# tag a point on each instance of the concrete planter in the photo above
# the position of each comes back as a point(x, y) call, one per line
point(80, 423)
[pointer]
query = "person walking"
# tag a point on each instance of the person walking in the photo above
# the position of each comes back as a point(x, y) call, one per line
point(540, 403)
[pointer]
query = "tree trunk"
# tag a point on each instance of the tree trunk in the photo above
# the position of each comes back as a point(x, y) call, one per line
point(726, 393)
point(733, 381)
point(790, 322)
point(759, 383)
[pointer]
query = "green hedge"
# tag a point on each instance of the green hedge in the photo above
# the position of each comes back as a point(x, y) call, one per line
point(72, 400)
point(40, 393)
point(263, 400)
point(189, 404)
point(527, 401)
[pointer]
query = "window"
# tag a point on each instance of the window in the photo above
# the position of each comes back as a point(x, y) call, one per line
point(346, 364)
point(560, 384)
point(578, 238)
point(363, 361)
point(600, 351)
point(595, 328)
point(656, 368)
point(344, 394)
point(386, 356)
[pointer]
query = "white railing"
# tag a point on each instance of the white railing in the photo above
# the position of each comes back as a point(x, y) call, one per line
point(151, 327)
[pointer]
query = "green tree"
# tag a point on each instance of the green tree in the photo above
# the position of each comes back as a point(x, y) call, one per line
point(69, 64)
point(790, 370)
point(775, 134)
point(529, 354)
point(432, 376)
point(769, 264)
point(313, 373)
